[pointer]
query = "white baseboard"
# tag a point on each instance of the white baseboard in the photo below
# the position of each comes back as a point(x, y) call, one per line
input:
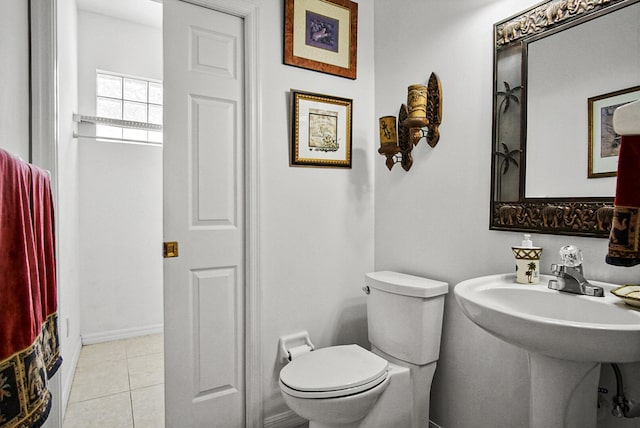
point(66, 386)
point(284, 420)
point(291, 420)
point(108, 336)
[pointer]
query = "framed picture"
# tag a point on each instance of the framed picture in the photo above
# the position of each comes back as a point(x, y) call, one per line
point(604, 143)
point(320, 130)
point(321, 35)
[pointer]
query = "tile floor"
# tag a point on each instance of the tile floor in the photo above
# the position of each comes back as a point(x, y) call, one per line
point(119, 384)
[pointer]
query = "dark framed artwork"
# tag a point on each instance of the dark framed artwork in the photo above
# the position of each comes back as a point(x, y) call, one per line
point(320, 130)
point(321, 35)
point(604, 143)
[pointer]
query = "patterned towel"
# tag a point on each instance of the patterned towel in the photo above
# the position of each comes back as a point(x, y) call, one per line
point(29, 351)
point(624, 249)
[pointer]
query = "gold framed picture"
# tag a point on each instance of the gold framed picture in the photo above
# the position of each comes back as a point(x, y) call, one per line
point(321, 35)
point(604, 143)
point(320, 130)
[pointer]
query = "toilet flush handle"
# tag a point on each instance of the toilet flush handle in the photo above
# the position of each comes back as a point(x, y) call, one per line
point(366, 289)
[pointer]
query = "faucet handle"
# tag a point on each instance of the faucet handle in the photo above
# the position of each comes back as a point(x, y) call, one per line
point(571, 256)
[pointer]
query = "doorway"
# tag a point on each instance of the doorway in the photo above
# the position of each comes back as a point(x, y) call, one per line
point(46, 113)
point(117, 150)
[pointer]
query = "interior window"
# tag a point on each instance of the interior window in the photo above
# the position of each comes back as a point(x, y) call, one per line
point(131, 99)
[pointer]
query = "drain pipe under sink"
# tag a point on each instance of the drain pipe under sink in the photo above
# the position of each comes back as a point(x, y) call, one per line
point(622, 408)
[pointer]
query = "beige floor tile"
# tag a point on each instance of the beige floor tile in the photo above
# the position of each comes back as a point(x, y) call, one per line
point(113, 411)
point(99, 380)
point(145, 345)
point(148, 407)
point(119, 385)
point(146, 370)
point(100, 352)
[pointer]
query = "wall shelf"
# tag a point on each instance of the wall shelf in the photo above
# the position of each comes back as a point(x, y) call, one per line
point(116, 122)
point(129, 124)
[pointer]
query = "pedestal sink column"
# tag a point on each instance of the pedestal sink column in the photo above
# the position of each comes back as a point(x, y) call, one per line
point(564, 394)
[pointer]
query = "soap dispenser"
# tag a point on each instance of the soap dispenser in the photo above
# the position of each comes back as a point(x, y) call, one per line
point(527, 261)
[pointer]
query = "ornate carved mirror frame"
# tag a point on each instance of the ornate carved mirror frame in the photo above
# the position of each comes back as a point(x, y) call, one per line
point(510, 208)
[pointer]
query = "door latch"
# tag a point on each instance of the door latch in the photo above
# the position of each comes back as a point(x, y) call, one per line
point(170, 249)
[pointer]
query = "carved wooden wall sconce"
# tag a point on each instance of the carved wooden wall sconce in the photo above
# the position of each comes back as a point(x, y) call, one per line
point(424, 111)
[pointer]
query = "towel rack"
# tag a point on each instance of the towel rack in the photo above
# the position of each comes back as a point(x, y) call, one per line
point(120, 140)
point(116, 122)
point(130, 124)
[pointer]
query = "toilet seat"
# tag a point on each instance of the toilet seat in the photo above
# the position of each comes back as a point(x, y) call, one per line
point(333, 372)
point(335, 393)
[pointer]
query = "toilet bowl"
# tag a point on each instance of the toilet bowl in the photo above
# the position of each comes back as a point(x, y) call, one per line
point(348, 386)
point(339, 384)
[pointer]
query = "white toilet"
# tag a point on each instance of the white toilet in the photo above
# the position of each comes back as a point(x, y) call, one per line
point(347, 386)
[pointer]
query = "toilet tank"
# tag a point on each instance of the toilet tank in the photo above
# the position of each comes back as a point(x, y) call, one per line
point(404, 315)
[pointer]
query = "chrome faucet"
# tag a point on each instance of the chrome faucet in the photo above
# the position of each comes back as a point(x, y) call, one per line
point(570, 275)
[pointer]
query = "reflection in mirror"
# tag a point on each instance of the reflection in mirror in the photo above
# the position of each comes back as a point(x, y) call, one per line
point(550, 61)
point(564, 71)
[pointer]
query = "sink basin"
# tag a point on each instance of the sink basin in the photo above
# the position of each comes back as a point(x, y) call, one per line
point(566, 336)
point(553, 323)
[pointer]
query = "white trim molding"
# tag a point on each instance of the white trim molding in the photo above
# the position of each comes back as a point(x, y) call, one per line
point(290, 419)
point(126, 333)
point(284, 420)
point(44, 88)
point(66, 388)
point(43, 144)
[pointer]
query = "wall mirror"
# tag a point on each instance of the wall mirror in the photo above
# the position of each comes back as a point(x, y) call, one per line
point(560, 69)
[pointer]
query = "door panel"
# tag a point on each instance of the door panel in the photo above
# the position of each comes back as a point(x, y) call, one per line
point(204, 212)
point(215, 188)
point(215, 301)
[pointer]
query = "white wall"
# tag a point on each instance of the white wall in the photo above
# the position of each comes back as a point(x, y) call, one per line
point(14, 78)
point(316, 223)
point(433, 221)
point(120, 192)
point(112, 44)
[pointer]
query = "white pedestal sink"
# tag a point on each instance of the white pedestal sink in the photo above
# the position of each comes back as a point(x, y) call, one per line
point(566, 336)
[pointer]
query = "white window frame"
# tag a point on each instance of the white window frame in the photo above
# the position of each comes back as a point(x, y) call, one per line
point(123, 123)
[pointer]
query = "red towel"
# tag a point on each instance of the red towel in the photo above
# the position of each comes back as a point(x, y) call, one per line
point(29, 349)
point(624, 249)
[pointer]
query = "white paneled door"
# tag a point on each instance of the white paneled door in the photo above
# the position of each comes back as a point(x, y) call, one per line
point(204, 213)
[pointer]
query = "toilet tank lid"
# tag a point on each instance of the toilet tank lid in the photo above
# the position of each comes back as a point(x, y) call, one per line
point(406, 285)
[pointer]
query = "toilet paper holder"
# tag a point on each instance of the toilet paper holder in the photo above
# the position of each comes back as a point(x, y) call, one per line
point(294, 343)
